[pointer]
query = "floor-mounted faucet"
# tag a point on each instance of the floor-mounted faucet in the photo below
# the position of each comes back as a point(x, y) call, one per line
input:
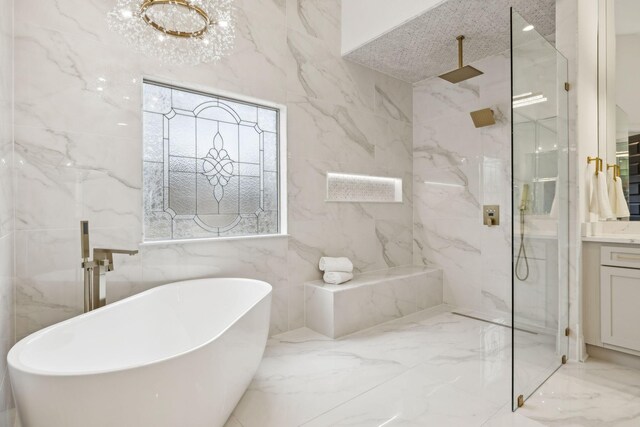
point(95, 271)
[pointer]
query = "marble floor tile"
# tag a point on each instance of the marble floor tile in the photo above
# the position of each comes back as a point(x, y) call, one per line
point(431, 368)
point(308, 379)
point(419, 397)
point(587, 395)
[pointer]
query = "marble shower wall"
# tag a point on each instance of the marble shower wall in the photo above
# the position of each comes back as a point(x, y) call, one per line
point(457, 169)
point(78, 148)
point(7, 312)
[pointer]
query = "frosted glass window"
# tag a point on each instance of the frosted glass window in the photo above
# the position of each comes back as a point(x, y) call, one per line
point(211, 165)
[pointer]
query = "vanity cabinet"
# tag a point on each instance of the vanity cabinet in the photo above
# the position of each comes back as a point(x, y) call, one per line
point(619, 307)
point(611, 284)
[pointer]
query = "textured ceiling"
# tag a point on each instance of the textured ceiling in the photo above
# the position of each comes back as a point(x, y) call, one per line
point(426, 45)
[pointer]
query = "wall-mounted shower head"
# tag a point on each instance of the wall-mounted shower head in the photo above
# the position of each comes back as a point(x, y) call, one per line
point(482, 118)
point(463, 72)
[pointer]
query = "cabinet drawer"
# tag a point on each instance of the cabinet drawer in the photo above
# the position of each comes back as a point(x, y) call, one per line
point(620, 257)
point(619, 299)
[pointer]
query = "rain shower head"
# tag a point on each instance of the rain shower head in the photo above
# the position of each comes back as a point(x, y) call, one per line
point(463, 72)
point(482, 118)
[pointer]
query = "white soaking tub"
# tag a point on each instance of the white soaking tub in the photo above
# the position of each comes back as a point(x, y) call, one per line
point(181, 354)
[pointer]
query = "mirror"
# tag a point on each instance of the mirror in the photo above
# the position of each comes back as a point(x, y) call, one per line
point(539, 140)
point(619, 75)
point(538, 109)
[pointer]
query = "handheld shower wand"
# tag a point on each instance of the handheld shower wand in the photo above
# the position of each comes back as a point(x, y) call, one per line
point(522, 252)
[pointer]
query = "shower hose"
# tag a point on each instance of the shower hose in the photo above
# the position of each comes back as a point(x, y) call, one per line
point(522, 253)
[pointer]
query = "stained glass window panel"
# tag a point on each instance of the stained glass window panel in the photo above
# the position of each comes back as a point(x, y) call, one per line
point(210, 165)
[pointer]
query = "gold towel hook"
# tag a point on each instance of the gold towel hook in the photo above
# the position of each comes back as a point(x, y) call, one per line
point(616, 172)
point(598, 161)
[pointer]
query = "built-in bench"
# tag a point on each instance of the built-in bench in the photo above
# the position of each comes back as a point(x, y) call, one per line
point(370, 299)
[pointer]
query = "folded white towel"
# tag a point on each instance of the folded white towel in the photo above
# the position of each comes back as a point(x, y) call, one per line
point(604, 204)
point(337, 277)
point(622, 208)
point(342, 264)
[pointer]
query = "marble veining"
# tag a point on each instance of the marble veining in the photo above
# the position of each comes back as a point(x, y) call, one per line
point(7, 182)
point(370, 299)
point(78, 148)
point(457, 169)
point(429, 368)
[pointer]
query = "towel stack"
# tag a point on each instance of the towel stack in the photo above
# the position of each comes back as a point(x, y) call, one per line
point(336, 270)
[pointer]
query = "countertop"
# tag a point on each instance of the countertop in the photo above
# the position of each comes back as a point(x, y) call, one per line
point(633, 239)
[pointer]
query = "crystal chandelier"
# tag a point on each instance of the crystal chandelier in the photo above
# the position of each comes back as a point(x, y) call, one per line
point(177, 31)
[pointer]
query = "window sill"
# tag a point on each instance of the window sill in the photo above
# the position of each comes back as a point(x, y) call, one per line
point(210, 239)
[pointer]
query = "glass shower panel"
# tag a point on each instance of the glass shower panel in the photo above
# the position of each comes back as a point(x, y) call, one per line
point(540, 209)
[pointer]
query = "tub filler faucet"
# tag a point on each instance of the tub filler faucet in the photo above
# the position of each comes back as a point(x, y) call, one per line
point(95, 271)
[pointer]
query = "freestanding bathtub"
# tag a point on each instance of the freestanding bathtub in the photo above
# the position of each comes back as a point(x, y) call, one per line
point(181, 354)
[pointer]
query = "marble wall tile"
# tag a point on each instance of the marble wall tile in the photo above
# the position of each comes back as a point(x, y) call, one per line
point(55, 69)
point(256, 68)
point(394, 241)
point(314, 71)
point(496, 270)
point(393, 98)
point(319, 306)
point(319, 19)
point(78, 153)
point(455, 246)
point(50, 290)
point(436, 98)
point(430, 294)
point(252, 258)
point(296, 309)
point(78, 18)
point(7, 317)
point(85, 176)
point(7, 271)
point(311, 240)
point(371, 299)
point(567, 44)
point(369, 305)
point(6, 174)
point(394, 147)
point(476, 166)
point(340, 134)
point(456, 170)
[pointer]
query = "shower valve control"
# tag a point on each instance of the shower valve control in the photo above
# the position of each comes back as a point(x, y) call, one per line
point(491, 215)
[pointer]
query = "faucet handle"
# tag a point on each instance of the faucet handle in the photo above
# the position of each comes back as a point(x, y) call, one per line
point(101, 255)
point(116, 251)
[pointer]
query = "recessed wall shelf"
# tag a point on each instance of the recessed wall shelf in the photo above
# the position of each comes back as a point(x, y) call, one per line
point(342, 187)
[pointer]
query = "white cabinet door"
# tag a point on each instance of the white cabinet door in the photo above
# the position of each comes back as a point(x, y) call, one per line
point(620, 307)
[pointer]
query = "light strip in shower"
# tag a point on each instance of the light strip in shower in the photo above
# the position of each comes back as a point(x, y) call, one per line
point(522, 95)
point(528, 98)
point(444, 184)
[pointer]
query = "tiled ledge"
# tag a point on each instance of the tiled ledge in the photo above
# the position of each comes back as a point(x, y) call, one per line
point(370, 299)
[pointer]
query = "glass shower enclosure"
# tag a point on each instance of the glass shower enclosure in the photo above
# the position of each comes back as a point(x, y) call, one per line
point(540, 209)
